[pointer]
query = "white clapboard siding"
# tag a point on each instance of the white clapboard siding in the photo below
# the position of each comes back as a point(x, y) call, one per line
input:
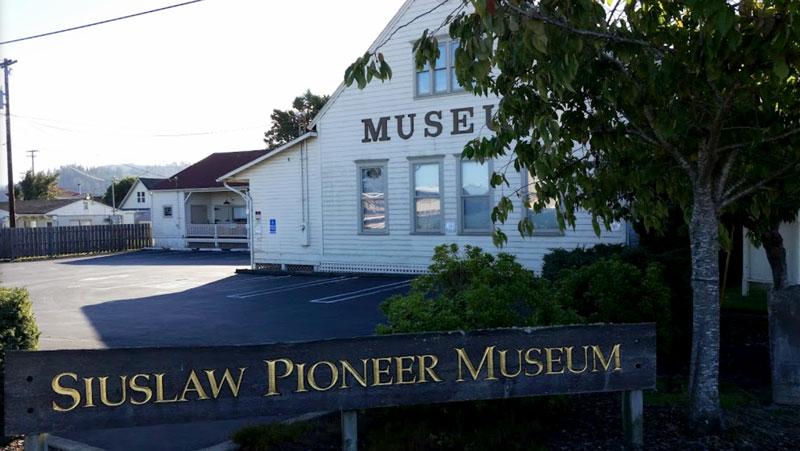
point(335, 241)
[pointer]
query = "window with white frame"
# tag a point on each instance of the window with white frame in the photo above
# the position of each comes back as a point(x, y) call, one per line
point(140, 197)
point(545, 222)
point(475, 197)
point(167, 211)
point(240, 215)
point(372, 206)
point(440, 79)
point(426, 193)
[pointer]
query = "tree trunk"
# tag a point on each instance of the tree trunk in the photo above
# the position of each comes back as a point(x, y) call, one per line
point(705, 415)
point(776, 256)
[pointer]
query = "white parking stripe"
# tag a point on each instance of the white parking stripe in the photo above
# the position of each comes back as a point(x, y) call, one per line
point(328, 298)
point(296, 286)
point(373, 290)
point(103, 278)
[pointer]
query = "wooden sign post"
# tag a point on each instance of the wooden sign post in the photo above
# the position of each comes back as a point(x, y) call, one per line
point(50, 391)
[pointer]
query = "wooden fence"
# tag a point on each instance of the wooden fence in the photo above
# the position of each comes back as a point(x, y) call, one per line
point(51, 241)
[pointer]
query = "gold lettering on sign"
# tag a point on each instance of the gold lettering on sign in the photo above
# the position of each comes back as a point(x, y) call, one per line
point(87, 383)
point(312, 380)
point(428, 369)
point(402, 369)
point(272, 377)
point(104, 391)
point(66, 391)
point(548, 352)
point(488, 358)
point(160, 390)
point(226, 378)
point(196, 387)
point(347, 368)
point(135, 387)
point(568, 352)
point(301, 378)
point(377, 371)
point(504, 369)
point(598, 354)
point(535, 362)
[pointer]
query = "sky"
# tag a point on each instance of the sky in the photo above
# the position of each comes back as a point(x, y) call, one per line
point(174, 85)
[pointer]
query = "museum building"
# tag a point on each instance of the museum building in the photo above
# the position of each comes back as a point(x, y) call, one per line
point(378, 180)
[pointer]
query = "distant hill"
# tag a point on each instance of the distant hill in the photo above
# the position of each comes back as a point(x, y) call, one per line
point(75, 178)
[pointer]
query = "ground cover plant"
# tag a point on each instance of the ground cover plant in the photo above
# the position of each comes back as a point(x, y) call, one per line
point(18, 329)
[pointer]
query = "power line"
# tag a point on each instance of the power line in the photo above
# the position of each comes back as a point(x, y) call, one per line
point(99, 23)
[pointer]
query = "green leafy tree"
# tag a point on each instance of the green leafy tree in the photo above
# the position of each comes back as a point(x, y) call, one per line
point(288, 125)
point(121, 188)
point(615, 108)
point(41, 185)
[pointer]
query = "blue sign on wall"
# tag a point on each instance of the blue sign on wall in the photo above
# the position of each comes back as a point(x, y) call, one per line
point(273, 226)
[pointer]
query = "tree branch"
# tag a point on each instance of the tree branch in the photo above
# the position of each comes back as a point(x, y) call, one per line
point(648, 114)
point(763, 141)
point(730, 197)
point(560, 23)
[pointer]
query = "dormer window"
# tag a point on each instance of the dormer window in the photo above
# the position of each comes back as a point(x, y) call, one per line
point(440, 79)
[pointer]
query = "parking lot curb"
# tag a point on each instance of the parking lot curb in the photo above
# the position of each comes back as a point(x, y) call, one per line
point(376, 275)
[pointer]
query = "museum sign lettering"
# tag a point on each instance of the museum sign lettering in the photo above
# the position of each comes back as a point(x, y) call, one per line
point(460, 121)
point(47, 391)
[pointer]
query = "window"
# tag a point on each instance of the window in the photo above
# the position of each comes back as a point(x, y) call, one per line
point(545, 222)
point(426, 195)
point(441, 78)
point(167, 211)
point(240, 215)
point(373, 210)
point(140, 197)
point(475, 197)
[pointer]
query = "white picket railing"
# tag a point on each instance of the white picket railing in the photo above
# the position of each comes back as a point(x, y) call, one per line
point(216, 230)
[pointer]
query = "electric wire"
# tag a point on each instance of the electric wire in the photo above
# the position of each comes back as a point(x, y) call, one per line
point(99, 23)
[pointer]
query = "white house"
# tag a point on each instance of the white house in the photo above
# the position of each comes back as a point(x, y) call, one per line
point(755, 267)
point(379, 181)
point(63, 212)
point(193, 210)
point(138, 199)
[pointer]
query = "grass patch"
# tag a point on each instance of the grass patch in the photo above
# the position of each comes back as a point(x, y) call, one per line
point(755, 301)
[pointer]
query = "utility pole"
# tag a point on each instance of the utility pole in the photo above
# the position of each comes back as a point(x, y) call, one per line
point(12, 217)
point(33, 155)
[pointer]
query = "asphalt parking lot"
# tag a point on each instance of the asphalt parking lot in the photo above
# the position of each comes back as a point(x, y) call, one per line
point(161, 298)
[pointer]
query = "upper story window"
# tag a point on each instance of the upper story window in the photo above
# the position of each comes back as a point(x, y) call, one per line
point(167, 211)
point(440, 79)
point(140, 197)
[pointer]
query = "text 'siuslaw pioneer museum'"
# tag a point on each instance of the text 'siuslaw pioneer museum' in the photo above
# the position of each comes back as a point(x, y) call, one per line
point(378, 180)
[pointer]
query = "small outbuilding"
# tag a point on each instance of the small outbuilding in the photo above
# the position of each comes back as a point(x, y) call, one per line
point(63, 212)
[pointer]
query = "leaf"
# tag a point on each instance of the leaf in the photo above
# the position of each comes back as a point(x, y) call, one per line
point(780, 68)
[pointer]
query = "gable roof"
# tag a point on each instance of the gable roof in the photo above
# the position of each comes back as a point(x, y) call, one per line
point(39, 206)
point(205, 172)
point(149, 183)
point(381, 37)
point(269, 154)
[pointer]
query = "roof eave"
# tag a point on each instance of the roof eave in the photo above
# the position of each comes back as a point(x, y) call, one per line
point(267, 155)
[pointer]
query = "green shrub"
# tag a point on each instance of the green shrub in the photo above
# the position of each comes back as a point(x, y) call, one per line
point(558, 259)
point(18, 328)
point(473, 290)
point(611, 291)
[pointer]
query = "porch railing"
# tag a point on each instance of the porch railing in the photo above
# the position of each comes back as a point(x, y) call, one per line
point(216, 230)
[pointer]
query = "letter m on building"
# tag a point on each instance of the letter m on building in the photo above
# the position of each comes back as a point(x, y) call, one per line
point(373, 134)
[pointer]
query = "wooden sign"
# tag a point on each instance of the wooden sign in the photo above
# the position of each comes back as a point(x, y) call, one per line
point(48, 391)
